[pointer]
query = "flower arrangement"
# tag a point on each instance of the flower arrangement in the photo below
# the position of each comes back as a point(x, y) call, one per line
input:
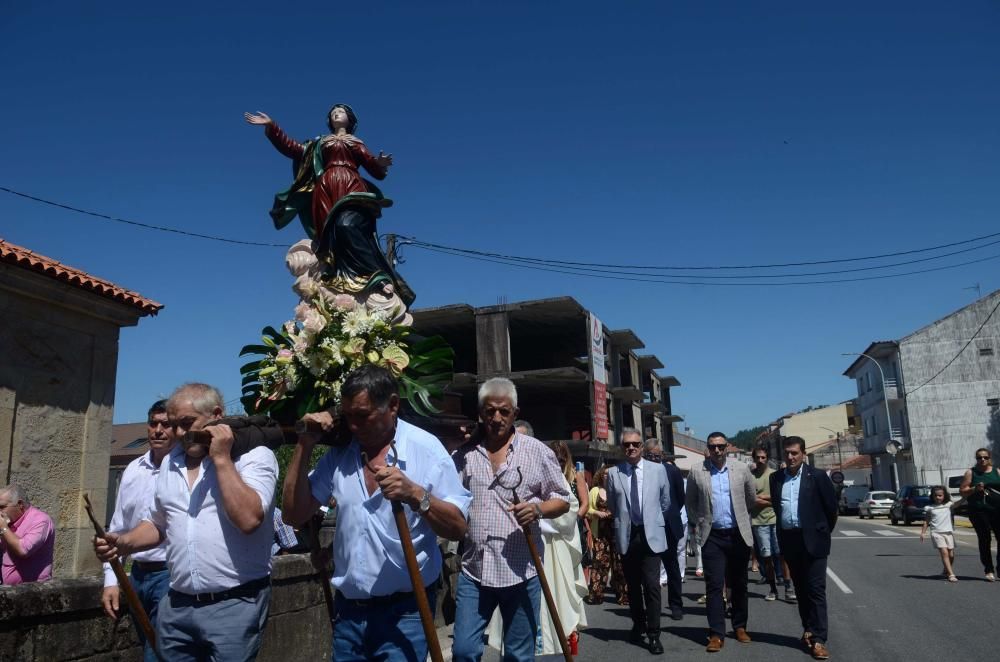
point(304, 364)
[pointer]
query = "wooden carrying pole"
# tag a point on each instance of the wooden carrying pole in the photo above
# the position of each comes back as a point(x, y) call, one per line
point(549, 600)
point(134, 605)
point(312, 535)
point(416, 579)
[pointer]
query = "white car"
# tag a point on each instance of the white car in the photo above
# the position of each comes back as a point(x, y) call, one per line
point(875, 503)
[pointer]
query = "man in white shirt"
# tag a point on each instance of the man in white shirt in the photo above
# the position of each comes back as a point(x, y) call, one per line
point(377, 615)
point(213, 515)
point(149, 575)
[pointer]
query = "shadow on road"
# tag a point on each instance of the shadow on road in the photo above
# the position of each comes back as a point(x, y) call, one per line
point(938, 577)
point(607, 634)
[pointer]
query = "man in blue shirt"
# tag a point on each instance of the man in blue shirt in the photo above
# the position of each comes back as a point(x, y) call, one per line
point(720, 495)
point(377, 615)
point(805, 505)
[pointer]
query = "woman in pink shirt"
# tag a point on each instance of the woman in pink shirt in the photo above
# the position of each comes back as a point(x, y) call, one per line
point(27, 539)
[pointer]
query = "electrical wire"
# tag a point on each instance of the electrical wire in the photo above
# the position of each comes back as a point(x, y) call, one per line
point(697, 268)
point(662, 279)
point(147, 226)
point(954, 358)
point(467, 252)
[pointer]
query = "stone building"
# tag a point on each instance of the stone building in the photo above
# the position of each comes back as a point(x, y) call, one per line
point(577, 380)
point(942, 388)
point(59, 343)
point(820, 427)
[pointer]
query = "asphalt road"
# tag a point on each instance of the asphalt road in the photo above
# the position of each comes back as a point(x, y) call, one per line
point(890, 603)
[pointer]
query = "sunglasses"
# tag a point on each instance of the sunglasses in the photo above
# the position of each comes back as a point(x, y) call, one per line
point(631, 444)
point(982, 457)
point(716, 447)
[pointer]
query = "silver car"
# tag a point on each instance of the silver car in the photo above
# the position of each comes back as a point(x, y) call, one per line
point(875, 503)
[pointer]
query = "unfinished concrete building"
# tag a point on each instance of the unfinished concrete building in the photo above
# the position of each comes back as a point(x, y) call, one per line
point(557, 353)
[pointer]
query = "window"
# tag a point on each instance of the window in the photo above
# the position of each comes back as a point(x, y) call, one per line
point(861, 386)
point(993, 403)
point(868, 382)
point(985, 351)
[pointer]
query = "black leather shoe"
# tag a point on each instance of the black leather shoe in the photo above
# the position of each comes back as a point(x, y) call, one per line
point(655, 647)
point(677, 613)
point(636, 637)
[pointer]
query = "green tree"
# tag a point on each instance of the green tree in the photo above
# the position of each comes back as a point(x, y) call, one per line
point(744, 438)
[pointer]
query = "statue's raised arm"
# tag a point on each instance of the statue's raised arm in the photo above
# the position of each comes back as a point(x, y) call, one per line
point(338, 209)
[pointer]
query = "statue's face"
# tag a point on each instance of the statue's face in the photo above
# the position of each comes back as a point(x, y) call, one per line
point(338, 118)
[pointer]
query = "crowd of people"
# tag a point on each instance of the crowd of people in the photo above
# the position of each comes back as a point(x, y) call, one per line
point(196, 516)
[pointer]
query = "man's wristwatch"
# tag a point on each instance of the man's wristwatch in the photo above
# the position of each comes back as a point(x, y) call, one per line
point(538, 511)
point(425, 502)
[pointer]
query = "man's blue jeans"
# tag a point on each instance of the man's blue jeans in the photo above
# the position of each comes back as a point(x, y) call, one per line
point(150, 587)
point(388, 633)
point(474, 608)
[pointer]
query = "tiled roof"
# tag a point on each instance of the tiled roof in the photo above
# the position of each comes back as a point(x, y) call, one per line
point(22, 257)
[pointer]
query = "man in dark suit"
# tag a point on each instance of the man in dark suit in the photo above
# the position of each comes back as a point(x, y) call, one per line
point(805, 506)
point(674, 527)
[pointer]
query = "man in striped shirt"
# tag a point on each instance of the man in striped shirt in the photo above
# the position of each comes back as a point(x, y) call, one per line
point(497, 569)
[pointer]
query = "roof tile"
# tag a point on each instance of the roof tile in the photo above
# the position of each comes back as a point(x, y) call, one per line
point(22, 257)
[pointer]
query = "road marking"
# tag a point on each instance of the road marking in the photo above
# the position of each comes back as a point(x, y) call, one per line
point(838, 581)
point(852, 534)
point(886, 532)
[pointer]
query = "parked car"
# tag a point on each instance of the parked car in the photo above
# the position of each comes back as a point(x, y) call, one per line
point(909, 504)
point(954, 483)
point(850, 497)
point(875, 503)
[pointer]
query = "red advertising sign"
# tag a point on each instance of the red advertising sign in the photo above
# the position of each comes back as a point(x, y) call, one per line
point(600, 378)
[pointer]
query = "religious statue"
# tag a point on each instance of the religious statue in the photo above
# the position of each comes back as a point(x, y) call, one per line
point(338, 209)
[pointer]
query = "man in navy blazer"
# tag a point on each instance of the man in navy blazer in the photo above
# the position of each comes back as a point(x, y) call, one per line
point(674, 526)
point(805, 506)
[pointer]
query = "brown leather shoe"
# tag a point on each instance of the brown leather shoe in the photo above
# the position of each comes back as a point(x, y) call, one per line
point(819, 651)
point(742, 636)
point(715, 643)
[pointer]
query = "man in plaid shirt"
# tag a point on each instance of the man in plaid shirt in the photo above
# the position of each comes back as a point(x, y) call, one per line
point(497, 569)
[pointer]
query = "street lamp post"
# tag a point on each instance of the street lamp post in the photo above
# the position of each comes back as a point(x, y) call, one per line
point(888, 417)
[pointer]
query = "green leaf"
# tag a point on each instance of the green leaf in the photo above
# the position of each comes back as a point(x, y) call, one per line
point(255, 349)
point(249, 367)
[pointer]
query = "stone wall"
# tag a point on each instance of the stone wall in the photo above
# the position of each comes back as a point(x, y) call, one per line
point(62, 620)
point(57, 384)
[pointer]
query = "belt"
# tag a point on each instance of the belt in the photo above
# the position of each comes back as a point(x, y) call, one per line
point(249, 589)
point(377, 600)
point(150, 566)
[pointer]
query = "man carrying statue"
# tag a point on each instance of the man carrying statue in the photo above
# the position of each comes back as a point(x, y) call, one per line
point(386, 460)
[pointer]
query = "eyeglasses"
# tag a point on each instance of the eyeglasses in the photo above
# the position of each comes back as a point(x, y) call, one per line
point(631, 444)
point(716, 447)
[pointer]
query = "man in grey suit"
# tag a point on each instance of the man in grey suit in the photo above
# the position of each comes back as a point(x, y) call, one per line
point(720, 495)
point(638, 495)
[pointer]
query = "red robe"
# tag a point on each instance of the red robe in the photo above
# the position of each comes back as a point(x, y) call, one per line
point(342, 156)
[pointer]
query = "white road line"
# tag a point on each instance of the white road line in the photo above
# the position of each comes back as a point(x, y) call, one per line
point(838, 581)
point(888, 533)
point(852, 534)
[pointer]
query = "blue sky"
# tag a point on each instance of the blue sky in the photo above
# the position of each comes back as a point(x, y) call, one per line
point(712, 133)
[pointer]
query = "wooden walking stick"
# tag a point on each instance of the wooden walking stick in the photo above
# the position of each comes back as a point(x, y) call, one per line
point(138, 613)
point(419, 592)
point(312, 535)
point(549, 600)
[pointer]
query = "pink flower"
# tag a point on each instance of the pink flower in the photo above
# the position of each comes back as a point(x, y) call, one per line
point(345, 302)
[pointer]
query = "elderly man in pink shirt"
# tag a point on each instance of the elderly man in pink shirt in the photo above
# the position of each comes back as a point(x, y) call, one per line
point(27, 538)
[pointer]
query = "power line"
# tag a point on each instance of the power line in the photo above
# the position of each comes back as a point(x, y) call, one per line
point(147, 226)
point(698, 268)
point(964, 347)
point(596, 266)
point(580, 267)
point(663, 278)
